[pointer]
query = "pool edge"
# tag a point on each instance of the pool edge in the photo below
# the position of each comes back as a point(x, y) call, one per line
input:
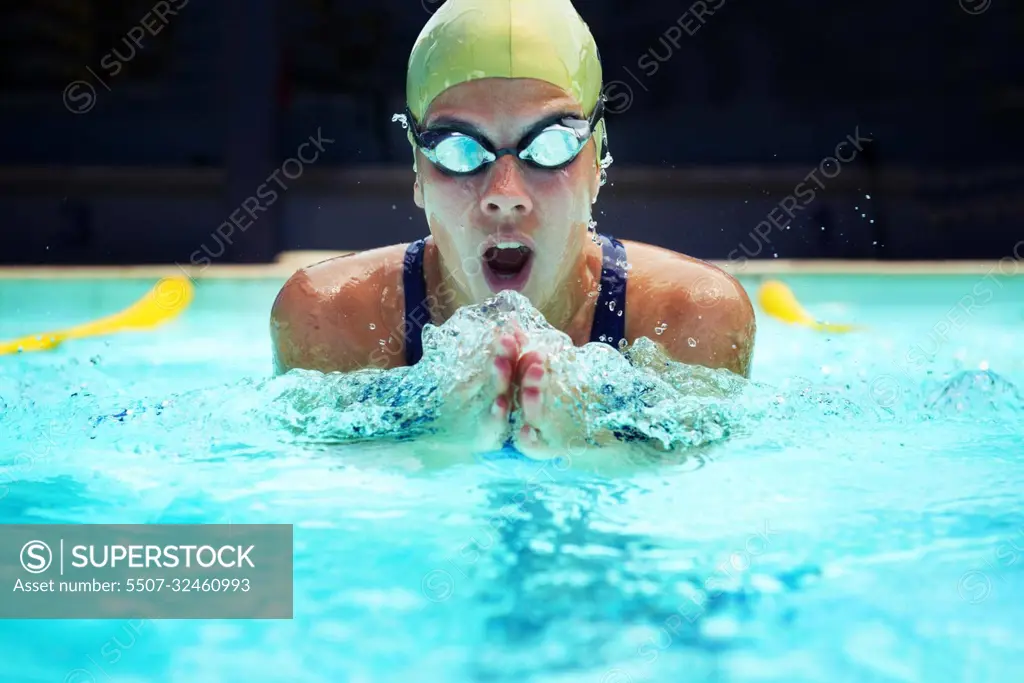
point(289, 262)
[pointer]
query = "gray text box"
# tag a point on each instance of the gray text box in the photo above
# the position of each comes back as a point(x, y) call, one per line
point(146, 571)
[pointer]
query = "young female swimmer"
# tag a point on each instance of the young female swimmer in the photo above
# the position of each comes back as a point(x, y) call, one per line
point(506, 122)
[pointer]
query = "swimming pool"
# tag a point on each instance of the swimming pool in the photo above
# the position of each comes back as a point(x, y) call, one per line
point(868, 526)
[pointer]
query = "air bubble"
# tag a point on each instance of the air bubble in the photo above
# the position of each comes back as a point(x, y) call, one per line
point(372, 326)
point(692, 342)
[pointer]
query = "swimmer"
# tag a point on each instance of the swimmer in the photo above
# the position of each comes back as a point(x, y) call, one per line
point(508, 129)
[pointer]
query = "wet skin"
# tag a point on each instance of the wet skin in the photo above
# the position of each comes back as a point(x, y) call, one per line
point(332, 316)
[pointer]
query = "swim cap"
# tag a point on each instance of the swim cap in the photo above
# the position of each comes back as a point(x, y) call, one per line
point(470, 39)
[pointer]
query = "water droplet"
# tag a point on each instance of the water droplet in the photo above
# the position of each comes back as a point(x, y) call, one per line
point(660, 329)
point(372, 326)
point(611, 305)
point(692, 342)
point(619, 313)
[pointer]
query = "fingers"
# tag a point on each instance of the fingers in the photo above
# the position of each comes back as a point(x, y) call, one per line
point(502, 374)
point(505, 361)
point(530, 364)
point(499, 411)
point(529, 437)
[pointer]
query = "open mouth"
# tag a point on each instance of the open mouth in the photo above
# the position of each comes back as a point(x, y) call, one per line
point(507, 265)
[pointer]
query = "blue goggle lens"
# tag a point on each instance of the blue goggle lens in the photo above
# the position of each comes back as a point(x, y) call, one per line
point(552, 148)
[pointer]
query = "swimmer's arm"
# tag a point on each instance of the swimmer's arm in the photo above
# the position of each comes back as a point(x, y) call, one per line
point(314, 328)
point(718, 334)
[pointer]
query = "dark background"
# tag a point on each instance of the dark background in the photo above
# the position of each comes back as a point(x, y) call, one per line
point(197, 117)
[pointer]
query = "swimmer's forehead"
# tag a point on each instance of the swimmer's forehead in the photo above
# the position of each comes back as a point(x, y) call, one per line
point(493, 104)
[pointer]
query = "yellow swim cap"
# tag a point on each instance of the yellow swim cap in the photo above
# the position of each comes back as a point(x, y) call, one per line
point(470, 39)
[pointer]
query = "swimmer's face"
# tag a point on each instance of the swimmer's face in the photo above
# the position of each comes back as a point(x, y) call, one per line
point(507, 202)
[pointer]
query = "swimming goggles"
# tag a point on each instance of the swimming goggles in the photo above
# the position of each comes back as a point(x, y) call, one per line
point(551, 145)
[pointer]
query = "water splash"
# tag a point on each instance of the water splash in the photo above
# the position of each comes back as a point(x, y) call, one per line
point(636, 393)
point(980, 392)
point(401, 118)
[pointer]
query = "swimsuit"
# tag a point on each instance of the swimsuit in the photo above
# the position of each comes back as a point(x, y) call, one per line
point(609, 317)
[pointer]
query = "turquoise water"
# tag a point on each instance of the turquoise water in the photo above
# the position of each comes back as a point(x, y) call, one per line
point(854, 513)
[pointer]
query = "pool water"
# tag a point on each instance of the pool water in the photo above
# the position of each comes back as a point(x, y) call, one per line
point(864, 522)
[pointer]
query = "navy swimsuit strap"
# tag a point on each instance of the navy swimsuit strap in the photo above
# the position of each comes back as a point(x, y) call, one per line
point(609, 316)
point(417, 313)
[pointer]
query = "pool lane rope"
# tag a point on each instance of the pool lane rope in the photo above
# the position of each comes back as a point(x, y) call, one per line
point(778, 301)
point(163, 303)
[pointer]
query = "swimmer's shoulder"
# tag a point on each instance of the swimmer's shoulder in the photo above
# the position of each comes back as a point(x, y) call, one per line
point(705, 314)
point(331, 316)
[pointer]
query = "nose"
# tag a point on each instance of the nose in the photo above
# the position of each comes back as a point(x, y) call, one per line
point(506, 193)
